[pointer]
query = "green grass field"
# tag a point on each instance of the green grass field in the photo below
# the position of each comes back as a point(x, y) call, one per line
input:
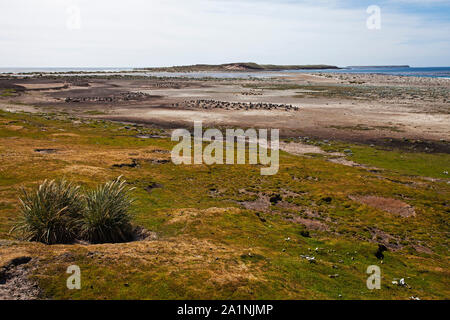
point(207, 244)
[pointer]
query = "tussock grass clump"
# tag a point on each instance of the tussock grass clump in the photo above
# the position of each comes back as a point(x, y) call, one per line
point(49, 214)
point(58, 212)
point(107, 217)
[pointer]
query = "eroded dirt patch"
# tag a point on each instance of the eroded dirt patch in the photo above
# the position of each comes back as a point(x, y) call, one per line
point(265, 201)
point(346, 162)
point(15, 283)
point(392, 242)
point(298, 148)
point(390, 205)
point(260, 204)
point(310, 224)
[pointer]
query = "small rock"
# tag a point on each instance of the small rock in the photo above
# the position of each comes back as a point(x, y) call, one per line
point(379, 254)
point(275, 199)
point(309, 258)
point(305, 233)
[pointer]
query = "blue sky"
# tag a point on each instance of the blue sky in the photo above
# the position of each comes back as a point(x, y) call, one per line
point(135, 33)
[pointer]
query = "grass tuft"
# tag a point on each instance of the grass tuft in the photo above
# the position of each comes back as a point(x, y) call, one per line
point(107, 218)
point(49, 213)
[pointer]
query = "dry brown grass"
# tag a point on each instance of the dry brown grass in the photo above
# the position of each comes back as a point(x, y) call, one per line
point(175, 254)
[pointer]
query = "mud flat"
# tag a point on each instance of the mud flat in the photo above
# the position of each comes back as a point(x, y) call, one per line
point(364, 108)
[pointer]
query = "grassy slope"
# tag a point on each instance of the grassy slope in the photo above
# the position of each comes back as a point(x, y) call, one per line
point(208, 245)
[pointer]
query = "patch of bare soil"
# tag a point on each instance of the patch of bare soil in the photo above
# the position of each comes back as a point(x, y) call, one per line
point(309, 223)
point(422, 249)
point(300, 148)
point(260, 204)
point(390, 205)
point(289, 205)
point(15, 283)
point(348, 163)
point(390, 241)
point(264, 201)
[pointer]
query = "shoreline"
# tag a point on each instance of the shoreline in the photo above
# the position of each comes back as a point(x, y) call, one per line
point(221, 71)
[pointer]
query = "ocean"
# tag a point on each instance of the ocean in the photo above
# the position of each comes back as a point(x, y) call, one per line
point(433, 72)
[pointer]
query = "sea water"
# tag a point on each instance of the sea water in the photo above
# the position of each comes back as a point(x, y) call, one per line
point(432, 72)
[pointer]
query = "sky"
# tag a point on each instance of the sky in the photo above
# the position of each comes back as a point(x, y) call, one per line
point(145, 33)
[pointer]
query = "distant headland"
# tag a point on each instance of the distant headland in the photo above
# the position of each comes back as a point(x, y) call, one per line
point(238, 66)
